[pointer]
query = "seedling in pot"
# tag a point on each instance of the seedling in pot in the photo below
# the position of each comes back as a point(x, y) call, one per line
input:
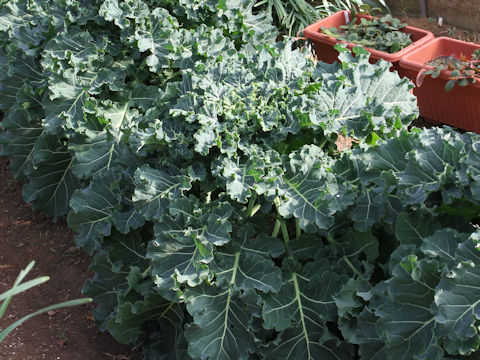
point(379, 33)
point(462, 71)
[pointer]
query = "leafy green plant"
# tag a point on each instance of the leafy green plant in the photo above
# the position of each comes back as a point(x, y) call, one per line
point(379, 33)
point(166, 134)
point(19, 287)
point(294, 15)
point(461, 71)
point(197, 161)
point(291, 15)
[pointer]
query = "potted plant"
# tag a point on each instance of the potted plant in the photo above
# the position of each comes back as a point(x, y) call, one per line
point(384, 37)
point(447, 73)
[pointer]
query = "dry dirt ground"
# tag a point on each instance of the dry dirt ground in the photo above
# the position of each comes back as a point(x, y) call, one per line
point(445, 30)
point(70, 333)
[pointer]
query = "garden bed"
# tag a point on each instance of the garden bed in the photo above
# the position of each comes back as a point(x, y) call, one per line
point(203, 167)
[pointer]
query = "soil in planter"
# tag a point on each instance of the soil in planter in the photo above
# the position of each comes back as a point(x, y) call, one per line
point(467, 72)
point(451, 62)
point(67, 334)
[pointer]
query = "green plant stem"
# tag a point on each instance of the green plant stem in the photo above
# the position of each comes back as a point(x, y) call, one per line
point(276, 228)
point(330, 239)
point(283, 225)
point(76, 302)
point(255, 209)
point(323, 142)
point(23, 287)
point(286, 238)
point(297, 228)
point(18, 280)
point(146, 272)
point(354, 269)
point(251, 205)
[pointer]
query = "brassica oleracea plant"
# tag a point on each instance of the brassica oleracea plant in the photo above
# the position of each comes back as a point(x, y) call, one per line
point(196, 159)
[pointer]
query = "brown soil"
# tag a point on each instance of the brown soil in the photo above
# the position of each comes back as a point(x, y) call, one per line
point(445, 30)
point(69, 333)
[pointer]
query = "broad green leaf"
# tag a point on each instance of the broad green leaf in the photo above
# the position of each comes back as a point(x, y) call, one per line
point(311, 195)
point(9, 89)
point(241, 179)
point(155, 188)
point(126, 326)
point(458, 299)
point(407, 317)
point(390, 155)
point(220, 328)
point(367, 100)
point(160, 346)
point(432, 165)
point(174, 252)
point(471, 162)
point(71, 97)
point(123, 13)
point(414, 228)
point(350, 303)
point(77, 48)
point(92, 210)
point(370, 207)
point(162, 38)
point(93, 155)
point(183, 244)
point(357, 243)
point(20, 132)
point(68, 102)
point(247, 258)
point(300, 310)
point(371, 343)
point(128, 220)
point(51, 181)
point(117, 269)
point(443, 245)
point(97, 153)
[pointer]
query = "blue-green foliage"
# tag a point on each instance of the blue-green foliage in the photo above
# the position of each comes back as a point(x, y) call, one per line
point(195, 158)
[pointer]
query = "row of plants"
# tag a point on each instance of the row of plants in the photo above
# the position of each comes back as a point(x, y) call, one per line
point(196, 159)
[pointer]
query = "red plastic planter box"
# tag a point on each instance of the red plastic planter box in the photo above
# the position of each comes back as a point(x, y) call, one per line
point(324, 44)
point(461, 106)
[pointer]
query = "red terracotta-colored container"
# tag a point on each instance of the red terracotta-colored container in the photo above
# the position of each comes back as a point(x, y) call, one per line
point(459, 107)
point(324, 44)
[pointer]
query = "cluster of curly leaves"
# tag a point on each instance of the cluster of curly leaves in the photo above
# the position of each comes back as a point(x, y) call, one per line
point(195, 159)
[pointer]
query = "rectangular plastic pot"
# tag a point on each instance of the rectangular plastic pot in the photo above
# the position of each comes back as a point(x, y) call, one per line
point(461, 106)
point(324, 44)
